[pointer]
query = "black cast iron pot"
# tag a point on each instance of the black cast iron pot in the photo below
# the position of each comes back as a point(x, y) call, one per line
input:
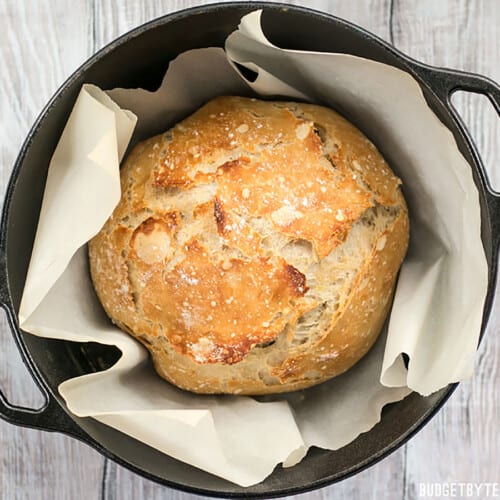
point(139, 59)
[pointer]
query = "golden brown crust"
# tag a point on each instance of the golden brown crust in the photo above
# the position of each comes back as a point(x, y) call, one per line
point(255, 247)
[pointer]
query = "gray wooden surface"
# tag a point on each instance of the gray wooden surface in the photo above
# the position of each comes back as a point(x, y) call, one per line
point(43, 41)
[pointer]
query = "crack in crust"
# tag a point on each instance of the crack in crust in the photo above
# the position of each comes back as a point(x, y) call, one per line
point(220, 216)
point(297, 279)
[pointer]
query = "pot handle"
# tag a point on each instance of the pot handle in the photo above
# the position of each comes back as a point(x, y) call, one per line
point(51, 417)
point(444, 82)
point(45, 418)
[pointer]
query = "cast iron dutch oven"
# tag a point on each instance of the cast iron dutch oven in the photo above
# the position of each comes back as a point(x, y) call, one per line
point(139, 59)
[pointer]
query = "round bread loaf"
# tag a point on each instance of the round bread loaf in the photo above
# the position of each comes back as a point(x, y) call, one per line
point(255, 247)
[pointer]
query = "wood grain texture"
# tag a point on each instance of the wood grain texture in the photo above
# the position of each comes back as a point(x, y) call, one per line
point(40, 45)
point(464, 438)
point(43, 41)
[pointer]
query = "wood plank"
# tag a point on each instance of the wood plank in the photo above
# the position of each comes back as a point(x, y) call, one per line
point(462, 443)
point(40, 45)
point(463, 35)
point(111, 22)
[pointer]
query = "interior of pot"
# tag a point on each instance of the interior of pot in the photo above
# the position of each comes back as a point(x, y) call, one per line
point(140, 59)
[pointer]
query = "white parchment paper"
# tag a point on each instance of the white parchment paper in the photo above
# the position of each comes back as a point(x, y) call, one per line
point(438, 305)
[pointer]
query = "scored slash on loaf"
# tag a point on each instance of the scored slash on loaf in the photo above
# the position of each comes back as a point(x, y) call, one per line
point(255, 247)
